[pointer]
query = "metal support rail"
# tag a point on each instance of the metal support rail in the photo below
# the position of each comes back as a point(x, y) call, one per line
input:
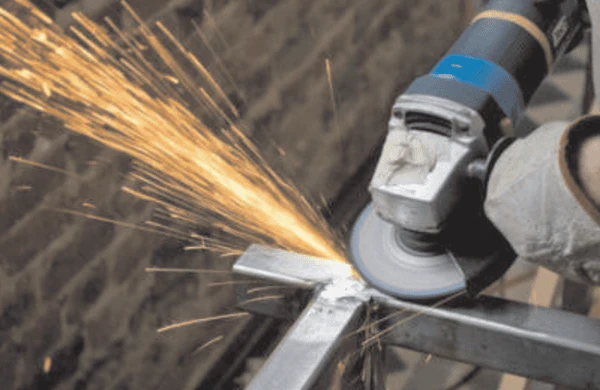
point(544, 344)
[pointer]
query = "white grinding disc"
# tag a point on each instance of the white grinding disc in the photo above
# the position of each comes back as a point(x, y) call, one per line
point(390, 268)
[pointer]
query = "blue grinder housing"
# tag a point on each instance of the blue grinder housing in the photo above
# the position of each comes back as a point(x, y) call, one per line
point(501, 59)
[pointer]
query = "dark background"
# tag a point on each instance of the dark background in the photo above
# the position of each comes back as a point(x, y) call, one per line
point(75, 290)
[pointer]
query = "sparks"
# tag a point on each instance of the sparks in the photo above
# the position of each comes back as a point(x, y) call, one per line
point(235, 283)
point(199, 167)
point(208, 344)
point(202, 321)
point(43, 166)
point(261, 299)
point(47, 364)
point(370, 340)
point(186, 270)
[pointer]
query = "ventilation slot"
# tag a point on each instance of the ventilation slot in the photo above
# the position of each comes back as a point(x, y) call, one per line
point(427, 122)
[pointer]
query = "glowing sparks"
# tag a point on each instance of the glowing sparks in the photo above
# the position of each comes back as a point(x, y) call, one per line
point(336, 122)
point(377, 337)
point(331, 91)
point(217, 59)
point(47, 364)
point(115, 222)
point(186, 270)
point(208, 344)
point(202, 321)
point(262, 299)
point(213, 24)
point(42, 166)
point(267, 288)
point(235, 283)
point(199, 167)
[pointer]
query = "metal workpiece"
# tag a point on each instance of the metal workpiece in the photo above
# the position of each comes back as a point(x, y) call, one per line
point(281, 267)
point(313, 345)
point(544, 344)
point(539, 343)
point(306, 353)
point(290, 268)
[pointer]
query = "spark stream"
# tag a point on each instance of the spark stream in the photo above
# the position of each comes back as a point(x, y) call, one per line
point(199, 168)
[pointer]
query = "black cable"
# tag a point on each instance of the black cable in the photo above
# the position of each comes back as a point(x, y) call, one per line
point(465, 379)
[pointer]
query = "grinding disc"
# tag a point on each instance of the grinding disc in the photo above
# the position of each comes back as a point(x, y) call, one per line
point(388, 266)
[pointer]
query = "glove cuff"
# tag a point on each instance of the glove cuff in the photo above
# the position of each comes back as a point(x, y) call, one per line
point(497, 150)
point(535, 202)
point(570, 145)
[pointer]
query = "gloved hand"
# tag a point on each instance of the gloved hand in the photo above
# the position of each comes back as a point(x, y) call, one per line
point(543, 195)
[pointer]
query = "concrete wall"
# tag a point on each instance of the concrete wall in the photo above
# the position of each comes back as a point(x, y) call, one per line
point(75, 290)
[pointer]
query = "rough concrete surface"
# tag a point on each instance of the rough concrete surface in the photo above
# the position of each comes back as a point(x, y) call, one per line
point(73, 292)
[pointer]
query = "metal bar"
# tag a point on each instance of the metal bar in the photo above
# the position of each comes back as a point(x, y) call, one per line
point(221, 374)
point(290, 268)
point(307, 349)
point(539, 343)
point(544, 344)
point(542, 293)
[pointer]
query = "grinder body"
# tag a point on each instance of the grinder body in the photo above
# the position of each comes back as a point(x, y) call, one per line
point(425, 235)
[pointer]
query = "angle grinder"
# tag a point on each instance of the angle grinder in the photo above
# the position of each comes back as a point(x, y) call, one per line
point(425, 236)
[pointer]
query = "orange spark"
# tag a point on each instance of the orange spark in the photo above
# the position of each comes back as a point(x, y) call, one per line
point(261, 299)
point(201, 168)
point(47, 364)
point(43, 166)
point(208, 344)
point(266, 288)
point(202, 320)
point(336, 122)
point(235, 283)
point(186, 270)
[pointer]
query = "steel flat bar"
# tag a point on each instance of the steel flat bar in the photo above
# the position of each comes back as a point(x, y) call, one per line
point(290, 268)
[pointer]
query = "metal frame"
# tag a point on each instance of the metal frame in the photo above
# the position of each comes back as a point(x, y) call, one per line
point(544, 344)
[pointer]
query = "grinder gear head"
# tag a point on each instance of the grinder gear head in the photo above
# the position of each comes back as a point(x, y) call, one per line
point(422, 238)
point(421, 174)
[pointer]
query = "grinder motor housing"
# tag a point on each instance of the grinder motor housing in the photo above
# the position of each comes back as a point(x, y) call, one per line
point(444, 133)
point(483, 83)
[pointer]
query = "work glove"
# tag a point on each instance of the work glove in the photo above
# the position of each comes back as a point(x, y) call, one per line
point(540, 196)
